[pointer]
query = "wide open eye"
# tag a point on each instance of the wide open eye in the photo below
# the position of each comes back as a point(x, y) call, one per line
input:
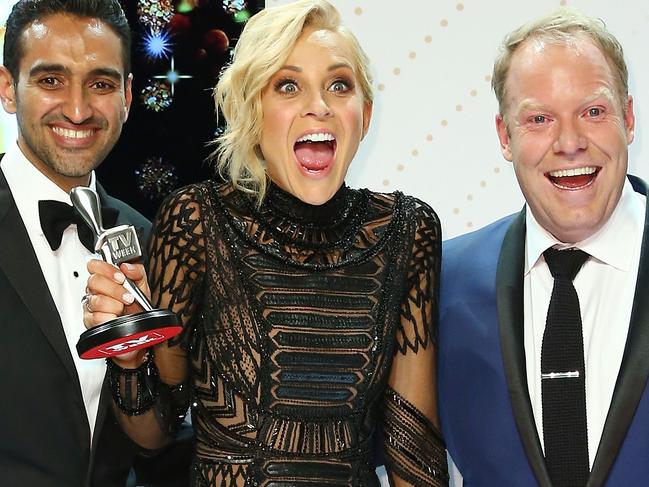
point(339, 86)
point(287, 86)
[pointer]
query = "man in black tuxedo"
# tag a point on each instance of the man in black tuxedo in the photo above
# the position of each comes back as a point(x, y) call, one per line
point(67, 79)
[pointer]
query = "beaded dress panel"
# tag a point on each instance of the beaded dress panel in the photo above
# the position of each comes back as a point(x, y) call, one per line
point(293, 317)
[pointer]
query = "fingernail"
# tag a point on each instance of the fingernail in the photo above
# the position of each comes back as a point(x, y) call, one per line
point(119, 277)
point(128, 298)
point(130, 267)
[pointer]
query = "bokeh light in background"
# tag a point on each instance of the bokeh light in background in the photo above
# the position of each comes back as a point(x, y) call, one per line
point(179, 50)
point(7, 122)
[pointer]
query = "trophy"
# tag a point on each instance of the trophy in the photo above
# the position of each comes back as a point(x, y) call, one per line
point(129, 332)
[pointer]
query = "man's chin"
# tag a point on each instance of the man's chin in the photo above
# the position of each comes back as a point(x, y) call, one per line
point(573, 230)
point(74, 171)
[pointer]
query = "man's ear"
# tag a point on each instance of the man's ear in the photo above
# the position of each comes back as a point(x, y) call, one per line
point(128, 96)
point(7, 90)
point(503, 136)
point(629, 120)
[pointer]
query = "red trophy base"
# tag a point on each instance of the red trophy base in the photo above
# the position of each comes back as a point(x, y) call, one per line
point(128, 333)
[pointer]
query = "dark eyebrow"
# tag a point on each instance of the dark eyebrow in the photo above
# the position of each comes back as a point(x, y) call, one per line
point(41, 68)
point(107, 72)
point(47, 68)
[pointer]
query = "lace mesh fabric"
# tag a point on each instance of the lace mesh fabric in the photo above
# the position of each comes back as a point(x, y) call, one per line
point(296, 319)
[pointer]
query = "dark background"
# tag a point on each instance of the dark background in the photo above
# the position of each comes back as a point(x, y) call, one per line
point(168, 147)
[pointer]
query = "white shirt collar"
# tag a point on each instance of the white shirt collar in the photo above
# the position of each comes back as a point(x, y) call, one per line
point(28, 185)
point(626, 222)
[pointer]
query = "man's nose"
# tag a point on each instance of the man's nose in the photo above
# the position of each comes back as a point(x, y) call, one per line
point(77, 107)
point(570, 138)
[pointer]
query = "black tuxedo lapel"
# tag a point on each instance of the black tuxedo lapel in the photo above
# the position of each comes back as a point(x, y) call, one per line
point(634, 369)
point(102, 411)
point(509, 296)
point(107, 201)
point(122, 218)
point(18, 261)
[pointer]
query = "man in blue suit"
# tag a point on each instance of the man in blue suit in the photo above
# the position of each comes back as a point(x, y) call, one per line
point(565, 122)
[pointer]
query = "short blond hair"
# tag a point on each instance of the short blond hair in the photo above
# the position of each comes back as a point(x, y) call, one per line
point(265, 43)
point(561, 26)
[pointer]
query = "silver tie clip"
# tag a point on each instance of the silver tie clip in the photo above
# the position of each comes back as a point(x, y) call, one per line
point(561, 375)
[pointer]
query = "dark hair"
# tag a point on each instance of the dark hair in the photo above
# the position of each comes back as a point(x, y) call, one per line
point(25, 12)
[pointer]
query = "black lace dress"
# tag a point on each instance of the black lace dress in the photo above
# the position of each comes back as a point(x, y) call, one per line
point(307, 328)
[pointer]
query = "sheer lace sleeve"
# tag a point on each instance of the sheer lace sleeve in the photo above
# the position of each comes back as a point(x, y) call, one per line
point(176, 269)
point(177, 260)
point(415, 451)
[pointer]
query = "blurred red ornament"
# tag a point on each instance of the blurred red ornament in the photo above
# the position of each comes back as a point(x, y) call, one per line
point(216, 41)
point(179, 24)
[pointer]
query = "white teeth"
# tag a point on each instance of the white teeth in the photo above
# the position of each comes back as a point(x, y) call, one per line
point(320, 137)
point(580, 171)
point(72, 134)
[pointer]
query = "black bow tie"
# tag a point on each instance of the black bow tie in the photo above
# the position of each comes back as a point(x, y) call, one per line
point(56, 216)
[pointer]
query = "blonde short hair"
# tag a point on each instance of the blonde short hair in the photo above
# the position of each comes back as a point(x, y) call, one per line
point(265, 43)
point(561, 26)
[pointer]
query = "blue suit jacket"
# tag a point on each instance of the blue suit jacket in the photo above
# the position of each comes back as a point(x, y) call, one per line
point(485, 409)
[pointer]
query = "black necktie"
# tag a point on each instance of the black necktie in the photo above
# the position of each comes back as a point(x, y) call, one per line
point(56, 216)
point(563, 378)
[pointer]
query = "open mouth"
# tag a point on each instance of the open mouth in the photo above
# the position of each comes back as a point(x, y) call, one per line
point(573, 179)
point(315, 152)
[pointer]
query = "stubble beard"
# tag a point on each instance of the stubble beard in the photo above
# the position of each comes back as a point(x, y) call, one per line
point(60, 161)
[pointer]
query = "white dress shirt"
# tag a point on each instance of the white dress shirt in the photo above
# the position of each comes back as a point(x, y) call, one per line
point(64, 269)
point(606, 288)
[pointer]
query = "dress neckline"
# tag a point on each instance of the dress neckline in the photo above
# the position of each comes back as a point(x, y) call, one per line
point(281, 204)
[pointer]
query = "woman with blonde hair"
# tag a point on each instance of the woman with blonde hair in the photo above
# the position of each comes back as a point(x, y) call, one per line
point(309, 308)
